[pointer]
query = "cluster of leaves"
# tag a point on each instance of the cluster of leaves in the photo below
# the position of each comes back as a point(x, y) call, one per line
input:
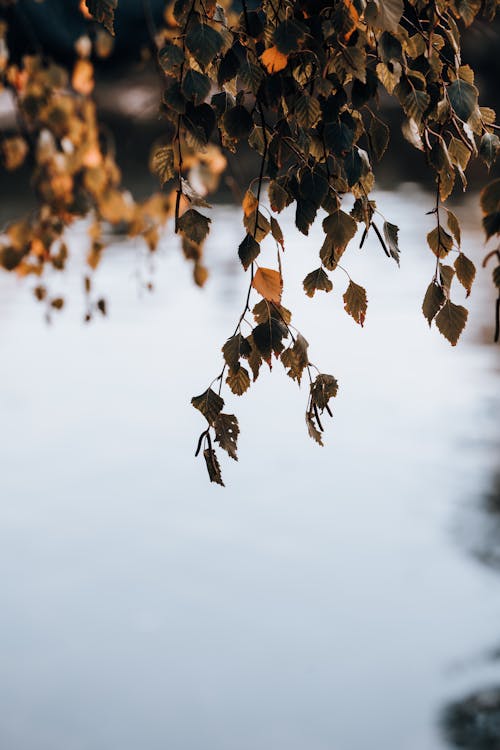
point(298, 82)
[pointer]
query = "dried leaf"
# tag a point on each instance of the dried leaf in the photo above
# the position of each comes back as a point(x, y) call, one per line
point(213, 466)
point(226, 433)
point(317, 280)
point(268, 283)
point(356, 302)
point(238, 380)
point(433, 301)
point(209, 403)
point(466, 272)
point(451, 321)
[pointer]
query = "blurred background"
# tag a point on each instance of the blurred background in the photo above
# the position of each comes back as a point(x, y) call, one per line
point(333, 598)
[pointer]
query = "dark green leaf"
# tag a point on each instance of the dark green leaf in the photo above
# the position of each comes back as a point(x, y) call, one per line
point(463, 98)
point(288, 36)
point(488, 148)
point(170, 58)
point(204, 43)
point(195, 86)
point(237, 122)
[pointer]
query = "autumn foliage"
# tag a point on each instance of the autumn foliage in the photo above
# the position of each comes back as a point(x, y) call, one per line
point(299, 83)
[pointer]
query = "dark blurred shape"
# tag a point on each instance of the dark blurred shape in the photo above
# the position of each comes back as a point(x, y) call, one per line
point(474, 722)
point(487, 546)
point(55, 25)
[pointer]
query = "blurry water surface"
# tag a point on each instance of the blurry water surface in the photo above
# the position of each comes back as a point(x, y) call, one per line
point(323, 600)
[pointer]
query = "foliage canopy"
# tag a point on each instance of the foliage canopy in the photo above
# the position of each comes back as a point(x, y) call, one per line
point(299, 82)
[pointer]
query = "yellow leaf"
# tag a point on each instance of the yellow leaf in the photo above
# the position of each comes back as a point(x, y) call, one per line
point(273, 60)
point(269, 284)
point(250, 203)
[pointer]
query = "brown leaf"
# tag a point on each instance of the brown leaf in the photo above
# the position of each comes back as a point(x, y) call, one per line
point(238, 380)
point(213, 466)
point(269, 284)
point(451, 321)
point(356, 302)
point(226, 433)
point(466, 272)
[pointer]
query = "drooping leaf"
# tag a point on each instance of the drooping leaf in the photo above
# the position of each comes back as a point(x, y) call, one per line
point(268, 337)
point(226, 433)
point(238, 380)
point(235, 347)
point(257, 225)
point(279, 198)
point(385, 14)
point(463, 98)
point(237, 122)
point(379, 137)
point(248, 251)
point(251, 75)
point(209, 403)
point(295, 358)
point(277, 233)
point(440, 242)
point(162, 163)
point(488, 148)
point(454, 227)
point(451, 321)
point(273, 60)
point(254, 358)
point(213, 466)
point(268, 283)
point(288, 36)
point(490, 205)
point(195, 86)
point(313, 430)
point(391, 238)
point(317, 280)
point(204, 43)
point(313, 186)
point(323, 389)
point(356, 302)
point(264, 310)
point(104, 12)
point(433, 301)
point(446, 274)
point(171, 58)
point(194, 225)
point(411, 132)
point(466, 272)
point(307, 110)
point(340, 228)
point(415, 103)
